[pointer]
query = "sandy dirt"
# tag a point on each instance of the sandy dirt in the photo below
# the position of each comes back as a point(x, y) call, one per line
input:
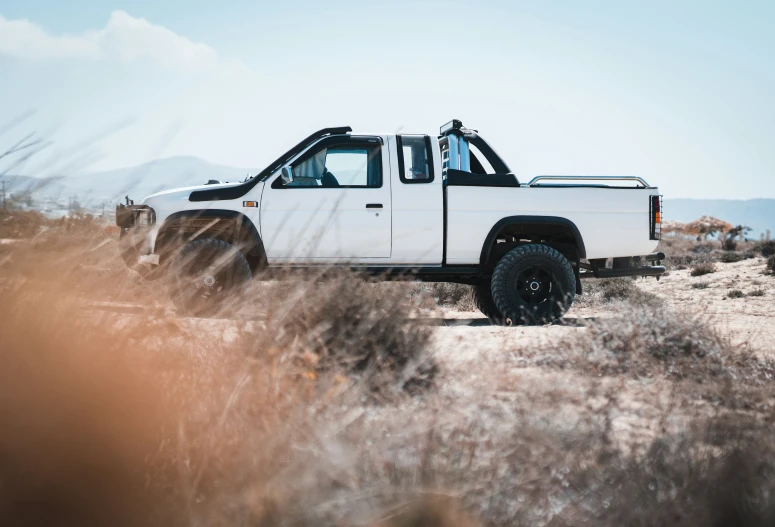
point(477, 356)
point(750, 319)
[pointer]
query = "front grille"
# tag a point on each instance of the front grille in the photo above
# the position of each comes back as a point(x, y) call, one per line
point(655, 217)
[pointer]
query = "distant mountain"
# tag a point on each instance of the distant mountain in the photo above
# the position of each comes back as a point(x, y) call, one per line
point(759, 214)
point(138, 182)
point(47, 186)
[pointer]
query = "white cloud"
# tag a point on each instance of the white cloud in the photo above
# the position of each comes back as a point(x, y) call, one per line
point(124, 38)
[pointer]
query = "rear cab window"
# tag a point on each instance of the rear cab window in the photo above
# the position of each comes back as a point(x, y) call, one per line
point(415, 164)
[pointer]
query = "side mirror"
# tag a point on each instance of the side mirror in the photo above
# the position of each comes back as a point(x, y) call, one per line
point(286, 174)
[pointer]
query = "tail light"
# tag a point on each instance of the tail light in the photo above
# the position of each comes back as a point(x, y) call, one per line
point(655, 217)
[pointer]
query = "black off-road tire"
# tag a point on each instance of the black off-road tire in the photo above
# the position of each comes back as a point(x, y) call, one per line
point(207, 277)
point(533, 285)
point(485, 303)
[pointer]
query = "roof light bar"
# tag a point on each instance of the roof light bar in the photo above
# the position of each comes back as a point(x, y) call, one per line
point(454, 124)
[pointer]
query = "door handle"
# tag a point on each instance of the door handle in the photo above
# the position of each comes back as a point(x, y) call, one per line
point(374, 205)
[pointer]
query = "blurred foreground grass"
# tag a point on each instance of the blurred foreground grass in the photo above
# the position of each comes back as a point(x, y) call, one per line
point(335, 407)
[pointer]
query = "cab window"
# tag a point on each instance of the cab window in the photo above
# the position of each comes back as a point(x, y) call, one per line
point(353, 164)
point(414, 159)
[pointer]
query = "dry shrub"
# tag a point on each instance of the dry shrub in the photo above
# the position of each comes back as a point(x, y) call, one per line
point(651, 341)
point(681, 251)
point(757, 292)
point(703, 247)
point(731, 257)
point(342, 322)
point(729, 243)
point(771, 264)
point(625, 289)
point(700, 285)
point(735, 293)
point(457, 296)
point(80, 252)
point(20, 224)
point(715, 473)
point(702, 269)
point(606, 290)
point(765, 248)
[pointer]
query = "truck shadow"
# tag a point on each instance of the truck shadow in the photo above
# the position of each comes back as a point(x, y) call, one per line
point(474, 321)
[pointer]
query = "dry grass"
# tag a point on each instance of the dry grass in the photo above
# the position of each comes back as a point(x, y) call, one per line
point(606, 290)
point(341, 322)
point(328, 408)
point(731, 257)
point(656, 342)
point(457, 296)
point(717, 474)
point(682, 252)
point(766, 248)
point(20, 224)
point(193, 427)
point(702, 269)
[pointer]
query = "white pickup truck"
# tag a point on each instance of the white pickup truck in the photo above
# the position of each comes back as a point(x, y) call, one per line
point(434, 208)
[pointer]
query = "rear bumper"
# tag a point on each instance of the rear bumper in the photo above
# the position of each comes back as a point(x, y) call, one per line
point(655, 269)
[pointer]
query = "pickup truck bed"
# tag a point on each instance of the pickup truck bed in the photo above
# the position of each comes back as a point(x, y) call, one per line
point(611, 222)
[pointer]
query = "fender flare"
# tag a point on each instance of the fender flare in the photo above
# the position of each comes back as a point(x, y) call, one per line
point(489, 241)
point(242, 220)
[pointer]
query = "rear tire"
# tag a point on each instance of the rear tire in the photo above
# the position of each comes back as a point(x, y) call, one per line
point(485, 303)
point(206, 278)
point(533, 285)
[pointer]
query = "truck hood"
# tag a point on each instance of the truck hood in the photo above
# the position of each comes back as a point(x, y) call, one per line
point(177, 192)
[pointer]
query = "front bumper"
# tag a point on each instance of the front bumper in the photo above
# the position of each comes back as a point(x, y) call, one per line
point(128, 216)
point(135, 243)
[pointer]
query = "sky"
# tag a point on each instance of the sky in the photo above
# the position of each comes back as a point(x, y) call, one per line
point(677, 92)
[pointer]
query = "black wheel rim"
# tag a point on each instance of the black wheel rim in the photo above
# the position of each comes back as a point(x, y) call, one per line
point(203, 282)
point(534, 286)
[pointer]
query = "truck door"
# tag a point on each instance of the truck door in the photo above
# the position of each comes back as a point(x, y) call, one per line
point(418, 201)
point(337, 208)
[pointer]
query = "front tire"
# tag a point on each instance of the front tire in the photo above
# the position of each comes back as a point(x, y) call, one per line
point(533, 285)
point(206, 278)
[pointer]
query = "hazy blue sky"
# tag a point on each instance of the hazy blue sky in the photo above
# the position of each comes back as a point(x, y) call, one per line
point(679, 92)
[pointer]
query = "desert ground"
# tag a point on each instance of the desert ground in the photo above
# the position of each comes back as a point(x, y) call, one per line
point(344, 402)
point(746, 320)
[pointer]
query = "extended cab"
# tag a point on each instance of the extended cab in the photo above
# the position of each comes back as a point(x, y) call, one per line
point(435, 208)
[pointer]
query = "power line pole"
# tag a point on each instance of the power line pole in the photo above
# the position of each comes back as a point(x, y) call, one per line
point(5, 205)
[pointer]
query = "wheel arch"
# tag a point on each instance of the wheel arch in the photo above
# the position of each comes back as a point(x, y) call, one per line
point(231, 226)
point(530, 226)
